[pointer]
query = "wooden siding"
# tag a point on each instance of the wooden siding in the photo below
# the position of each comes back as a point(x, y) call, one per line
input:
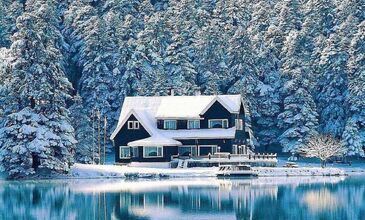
point(168, 151)
point(241, 135)
point(126, 135)
point(216, 111)
point(225, 144)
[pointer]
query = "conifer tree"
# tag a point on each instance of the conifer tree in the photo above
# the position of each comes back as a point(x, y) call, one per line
point(37, 136)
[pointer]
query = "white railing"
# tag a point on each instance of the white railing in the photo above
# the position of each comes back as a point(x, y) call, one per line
point(229, 156)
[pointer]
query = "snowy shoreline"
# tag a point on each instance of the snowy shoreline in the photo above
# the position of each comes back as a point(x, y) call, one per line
point(112, 171)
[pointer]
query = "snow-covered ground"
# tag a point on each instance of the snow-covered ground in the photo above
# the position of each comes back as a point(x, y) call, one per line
point(109, 171)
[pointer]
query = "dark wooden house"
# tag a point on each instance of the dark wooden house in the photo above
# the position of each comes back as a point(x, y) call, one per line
point(153, 129)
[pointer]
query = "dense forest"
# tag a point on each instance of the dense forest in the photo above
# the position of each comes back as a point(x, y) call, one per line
point(300, 64)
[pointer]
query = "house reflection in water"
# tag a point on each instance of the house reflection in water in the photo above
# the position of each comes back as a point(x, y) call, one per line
point(228, 200)
point(174, 199)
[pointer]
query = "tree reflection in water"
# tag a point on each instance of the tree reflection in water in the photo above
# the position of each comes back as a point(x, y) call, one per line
point(276, 198)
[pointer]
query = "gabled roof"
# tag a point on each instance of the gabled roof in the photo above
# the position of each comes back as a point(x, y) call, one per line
point(148, 109)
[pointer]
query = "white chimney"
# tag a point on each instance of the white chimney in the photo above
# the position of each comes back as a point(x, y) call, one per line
point(172, 92)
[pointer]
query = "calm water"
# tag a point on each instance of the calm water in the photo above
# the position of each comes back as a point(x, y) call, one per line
point(264, 198)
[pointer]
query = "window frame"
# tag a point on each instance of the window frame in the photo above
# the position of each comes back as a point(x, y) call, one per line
point(169, 120)
point(133, 125)
point(130, 125)
point(239, 124)
point(191, 149)
point(120, 152)
point(222, 120)
point(193, 120)
point(144, 152)
point(136, 125)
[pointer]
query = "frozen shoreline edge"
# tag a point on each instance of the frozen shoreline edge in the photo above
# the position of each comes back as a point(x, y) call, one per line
point(83, 171)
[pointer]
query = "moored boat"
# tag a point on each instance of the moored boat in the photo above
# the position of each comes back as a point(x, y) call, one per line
point(236, 171)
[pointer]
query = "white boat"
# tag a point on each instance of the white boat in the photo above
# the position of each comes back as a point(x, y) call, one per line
point(236, 171)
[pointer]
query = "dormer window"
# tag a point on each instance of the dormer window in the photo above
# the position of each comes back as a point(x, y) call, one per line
point(193, 124)
point(133, 125)
point(218, 123)
point(169, 124)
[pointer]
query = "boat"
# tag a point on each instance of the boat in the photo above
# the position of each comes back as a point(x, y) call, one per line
point(236, 171)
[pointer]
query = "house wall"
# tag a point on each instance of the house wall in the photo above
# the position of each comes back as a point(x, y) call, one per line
point(126, 135)
point(216, 111)
point(241, 135)
point(225, 144)
point(168, 151)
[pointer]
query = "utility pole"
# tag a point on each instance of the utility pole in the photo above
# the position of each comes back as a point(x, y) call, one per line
point(105, 124)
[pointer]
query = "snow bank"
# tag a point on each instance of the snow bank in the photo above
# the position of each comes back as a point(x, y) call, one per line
point(302, 171)
point(110, 171)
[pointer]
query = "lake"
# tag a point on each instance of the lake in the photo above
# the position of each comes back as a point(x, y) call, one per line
point(263, 198)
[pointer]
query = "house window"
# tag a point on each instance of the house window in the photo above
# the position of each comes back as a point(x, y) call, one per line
point(124, 152)
point(188, 151)
point(152, 152)
point(193, 124)
point(218, 123)
point(133, 125)
point(207, 149)
point(239, 124)
point(170, 124)
point(136, 125)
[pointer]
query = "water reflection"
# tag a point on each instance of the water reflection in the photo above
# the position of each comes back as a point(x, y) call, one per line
point(263, 198)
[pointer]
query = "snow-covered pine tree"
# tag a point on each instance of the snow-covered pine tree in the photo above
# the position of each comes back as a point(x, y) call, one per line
point(180, 52)
point(4, 77)
point(211, 59)
point(332, 86)
point(354, 134)
point(242, 70)
point(9, 11)
point(86, 140)
point(37, 137)
point(289, 18)
point(299, 117)
point(145, 69)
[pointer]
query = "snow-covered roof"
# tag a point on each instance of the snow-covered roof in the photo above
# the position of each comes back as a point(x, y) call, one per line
point(200, 133)
point(148, 109)
point(156, 140)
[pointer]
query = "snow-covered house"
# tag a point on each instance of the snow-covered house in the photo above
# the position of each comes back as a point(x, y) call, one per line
point(153, 129)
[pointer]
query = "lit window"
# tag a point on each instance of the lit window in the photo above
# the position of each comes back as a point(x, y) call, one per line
point(193, 124)
point(152, 152)
point(133, 125)
point(218, 123)
point(124, 152)
point(170, 124)
point(239, 124)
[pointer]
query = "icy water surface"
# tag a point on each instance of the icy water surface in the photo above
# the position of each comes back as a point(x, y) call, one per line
point(264, 198)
